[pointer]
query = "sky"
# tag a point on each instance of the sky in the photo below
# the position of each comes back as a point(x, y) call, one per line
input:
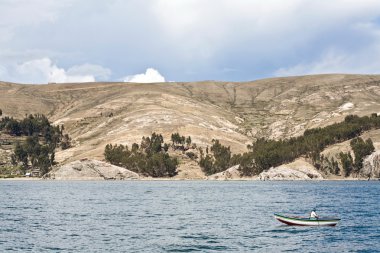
point(44, 41)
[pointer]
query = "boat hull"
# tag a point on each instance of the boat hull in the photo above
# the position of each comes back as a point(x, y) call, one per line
point(297, 221)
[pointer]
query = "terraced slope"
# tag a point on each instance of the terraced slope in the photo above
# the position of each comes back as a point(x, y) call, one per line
point(95, 114)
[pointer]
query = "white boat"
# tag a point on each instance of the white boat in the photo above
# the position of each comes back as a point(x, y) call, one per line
point(301, 221)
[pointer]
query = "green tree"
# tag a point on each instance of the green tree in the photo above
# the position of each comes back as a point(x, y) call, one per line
point(176, 138)
point(38, 149)
point(21, 155)
point(347, 163)
point(188, 141)
point(155, 144)
point(135, 148)
point(115, 154)
point(66, 142)
point(361, 149)
point(271, 153)
point(218, 161)
point(150, 158)
point(206, 164)
point(178, 141)
point(247, 165)
point(13, 127)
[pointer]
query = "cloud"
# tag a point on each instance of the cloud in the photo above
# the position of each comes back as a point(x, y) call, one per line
point(150, 76)
point(333, 61)
point(213, 23)
point(191, 39)
point(98, 72)
point(329, 63)
point(44, 71)
point(28, 13)
point(271, 34)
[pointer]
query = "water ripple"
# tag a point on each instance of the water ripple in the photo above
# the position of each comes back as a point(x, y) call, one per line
point(185, 216)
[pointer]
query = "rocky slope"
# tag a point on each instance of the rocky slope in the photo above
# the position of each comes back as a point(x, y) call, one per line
point(232, 173)
point(297, 170)
point(371, 166)
point(95, 114)
point(90, 170)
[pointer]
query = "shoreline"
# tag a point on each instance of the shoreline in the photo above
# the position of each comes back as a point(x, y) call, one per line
point(183, 179)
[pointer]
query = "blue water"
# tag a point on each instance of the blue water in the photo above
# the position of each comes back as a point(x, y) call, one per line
point(184, 216)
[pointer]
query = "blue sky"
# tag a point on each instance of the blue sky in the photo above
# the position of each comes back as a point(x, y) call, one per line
point(185, 40)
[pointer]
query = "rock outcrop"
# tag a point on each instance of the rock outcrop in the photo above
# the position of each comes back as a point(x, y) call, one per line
point(229, 174)
point(90, 170)
point(371, 166)
point(297, 170)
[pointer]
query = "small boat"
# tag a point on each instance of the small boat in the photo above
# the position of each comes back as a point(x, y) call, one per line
point(301, 221)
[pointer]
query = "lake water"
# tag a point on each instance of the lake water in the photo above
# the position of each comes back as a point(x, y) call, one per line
point(185, 216)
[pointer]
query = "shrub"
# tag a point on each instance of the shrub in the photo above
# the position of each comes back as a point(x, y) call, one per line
point(42, 139)
point(150, 158)
point(218, 161)
point(361, 149)
point(191, 155)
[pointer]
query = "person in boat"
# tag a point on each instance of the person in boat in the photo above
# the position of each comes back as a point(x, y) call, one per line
point(313, 215)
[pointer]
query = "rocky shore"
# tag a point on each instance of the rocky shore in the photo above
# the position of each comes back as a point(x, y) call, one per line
point(90, 170)
point(300, 169)
point(232, 173)
point(297, 170)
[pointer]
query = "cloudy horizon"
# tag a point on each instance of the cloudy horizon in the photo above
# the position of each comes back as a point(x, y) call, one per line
point(189, 40)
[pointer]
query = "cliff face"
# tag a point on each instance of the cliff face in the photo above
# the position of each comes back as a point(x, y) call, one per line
point(371, 166)
point(95, 114)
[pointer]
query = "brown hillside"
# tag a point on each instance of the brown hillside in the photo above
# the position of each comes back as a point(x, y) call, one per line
point(95, 114)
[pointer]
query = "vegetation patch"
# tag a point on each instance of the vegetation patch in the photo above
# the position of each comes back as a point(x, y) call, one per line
point(37, 151)
point(264, 154)
point(150, 158)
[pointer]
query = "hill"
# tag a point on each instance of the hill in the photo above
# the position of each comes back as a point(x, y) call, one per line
point(95, 114)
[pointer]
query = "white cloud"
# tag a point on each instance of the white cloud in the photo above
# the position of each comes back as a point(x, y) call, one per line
point(44, 71)
point(329, 63)
point(20, 13)
point(97, 71)
point(364, 62)
point(150, 76)
point(191, 39)
point(269, 25)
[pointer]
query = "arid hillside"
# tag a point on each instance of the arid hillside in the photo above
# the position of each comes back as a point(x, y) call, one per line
point(95, 114)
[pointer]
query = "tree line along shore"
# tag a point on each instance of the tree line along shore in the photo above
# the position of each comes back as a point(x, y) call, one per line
point(35, 140)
